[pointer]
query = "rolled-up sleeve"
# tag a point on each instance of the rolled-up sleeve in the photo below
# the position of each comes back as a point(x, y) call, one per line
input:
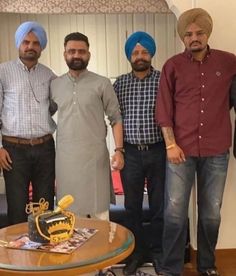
point(111, 104)
point(164, 103)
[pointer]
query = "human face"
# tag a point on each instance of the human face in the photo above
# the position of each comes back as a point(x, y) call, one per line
point(30, 49)
point(195, 39)
point(140, 59)
point(76, 55)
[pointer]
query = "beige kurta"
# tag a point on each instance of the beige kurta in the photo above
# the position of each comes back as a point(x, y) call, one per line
point(82, 157)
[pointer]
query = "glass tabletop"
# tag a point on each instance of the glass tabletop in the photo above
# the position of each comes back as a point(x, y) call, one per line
point(109, 245)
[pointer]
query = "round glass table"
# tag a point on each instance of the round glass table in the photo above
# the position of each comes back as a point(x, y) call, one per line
point(110, 245)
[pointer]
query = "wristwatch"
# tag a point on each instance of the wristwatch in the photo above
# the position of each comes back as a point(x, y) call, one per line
point(122, 150)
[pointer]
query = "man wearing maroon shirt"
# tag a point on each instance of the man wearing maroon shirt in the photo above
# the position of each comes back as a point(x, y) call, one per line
point(193, 112)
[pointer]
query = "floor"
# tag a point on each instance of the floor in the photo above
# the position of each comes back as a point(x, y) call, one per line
point(225, 260)
point(147, 270)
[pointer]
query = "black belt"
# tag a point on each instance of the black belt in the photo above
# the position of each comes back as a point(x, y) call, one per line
point(142, 147)
point(23, 141)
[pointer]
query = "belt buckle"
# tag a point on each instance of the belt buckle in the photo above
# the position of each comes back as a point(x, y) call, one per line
point(31, 142)
point(142, 147)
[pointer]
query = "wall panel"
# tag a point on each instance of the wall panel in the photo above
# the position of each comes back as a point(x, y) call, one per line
point(107, 35)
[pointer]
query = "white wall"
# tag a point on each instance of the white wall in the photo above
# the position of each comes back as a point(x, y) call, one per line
point(223, 37)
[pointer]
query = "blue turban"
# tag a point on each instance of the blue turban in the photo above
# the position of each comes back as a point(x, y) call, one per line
point(27, 27)
point(142, 38)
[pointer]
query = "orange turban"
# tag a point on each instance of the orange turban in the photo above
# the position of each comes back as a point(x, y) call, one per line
point(198, 16)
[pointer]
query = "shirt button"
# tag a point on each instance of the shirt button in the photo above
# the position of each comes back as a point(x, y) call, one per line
point(202, 111)
point(74, 102)
point(200, 137)
point(203, 99)
point(201, 124)
point(74, 92)
point(203, 86)
point(202, 74)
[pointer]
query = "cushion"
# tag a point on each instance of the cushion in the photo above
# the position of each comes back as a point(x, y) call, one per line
point(117, 184)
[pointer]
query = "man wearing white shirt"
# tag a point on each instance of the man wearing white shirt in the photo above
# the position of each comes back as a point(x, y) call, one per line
point(27, 153)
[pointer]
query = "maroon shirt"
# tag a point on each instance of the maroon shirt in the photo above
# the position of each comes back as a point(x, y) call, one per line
point(193, 99)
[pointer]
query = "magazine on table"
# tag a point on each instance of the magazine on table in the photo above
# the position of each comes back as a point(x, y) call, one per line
point(79, 237)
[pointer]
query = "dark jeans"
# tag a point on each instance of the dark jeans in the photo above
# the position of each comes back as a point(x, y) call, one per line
point(35, 164)
point(211, 174)
point(140, 165)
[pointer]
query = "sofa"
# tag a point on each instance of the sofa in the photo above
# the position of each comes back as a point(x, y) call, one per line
point(117, 214)
point(3, 211)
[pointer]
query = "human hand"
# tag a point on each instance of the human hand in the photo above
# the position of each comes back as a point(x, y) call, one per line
point(117, 161)
point(5, 160)
point(175, 155)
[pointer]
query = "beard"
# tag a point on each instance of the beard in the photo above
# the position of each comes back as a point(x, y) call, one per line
point(30, 55)
point(197, 48)
point(140, 65)
point(77, 64)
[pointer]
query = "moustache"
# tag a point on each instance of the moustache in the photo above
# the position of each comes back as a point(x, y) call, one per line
point(31, 51)
point(196, 41)
point(77, 59)
point(141, 60)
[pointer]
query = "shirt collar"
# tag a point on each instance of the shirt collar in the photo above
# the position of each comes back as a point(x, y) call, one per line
point(24, 67)
point(189, 55)
point(132, 75)
point(80, 75)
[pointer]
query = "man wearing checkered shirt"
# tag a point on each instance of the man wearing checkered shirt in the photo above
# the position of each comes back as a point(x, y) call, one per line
point(145, 153)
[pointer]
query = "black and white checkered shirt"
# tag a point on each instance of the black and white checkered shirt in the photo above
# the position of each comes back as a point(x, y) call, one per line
point(137, 103)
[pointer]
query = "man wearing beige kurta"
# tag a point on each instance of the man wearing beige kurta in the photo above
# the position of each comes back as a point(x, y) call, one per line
point(82, 157)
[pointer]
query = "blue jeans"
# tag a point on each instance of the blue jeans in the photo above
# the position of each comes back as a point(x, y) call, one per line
point(35, 164)
point(141, 164)
point(211, 175)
